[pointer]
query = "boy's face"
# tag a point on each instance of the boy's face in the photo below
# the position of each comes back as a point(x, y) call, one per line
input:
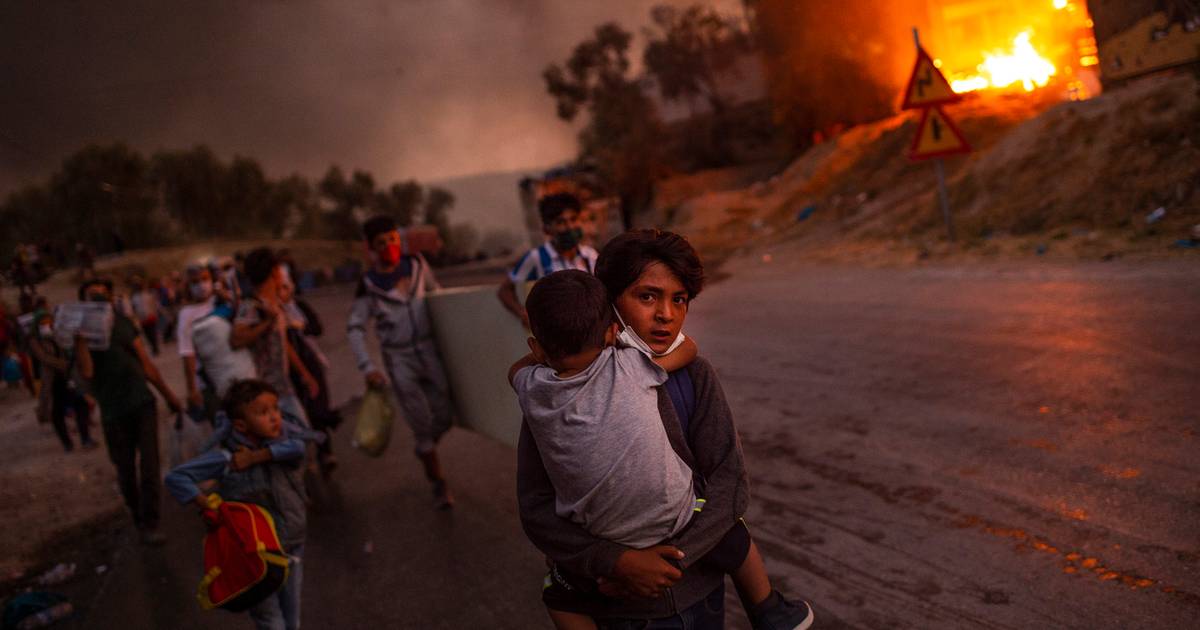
point(261, 417)
point(654, 306)
point(387, 246)
point(565, 223)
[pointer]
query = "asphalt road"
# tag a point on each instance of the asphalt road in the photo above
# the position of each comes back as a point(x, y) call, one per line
point(983, 447)
point(988, 447)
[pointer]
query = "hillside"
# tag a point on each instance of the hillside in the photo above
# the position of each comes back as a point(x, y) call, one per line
point(1061, 179)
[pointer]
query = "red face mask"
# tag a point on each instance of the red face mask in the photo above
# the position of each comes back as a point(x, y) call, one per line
point(390, 254)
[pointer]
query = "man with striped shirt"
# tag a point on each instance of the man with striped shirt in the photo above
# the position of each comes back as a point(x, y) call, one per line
point(562, 250)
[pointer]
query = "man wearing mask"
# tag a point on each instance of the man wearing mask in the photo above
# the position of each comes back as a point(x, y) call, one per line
point(392, 295)
point(562, 250)
point(201, 300)
point(128, 414)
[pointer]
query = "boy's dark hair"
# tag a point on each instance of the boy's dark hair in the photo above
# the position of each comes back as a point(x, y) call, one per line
point(242, 393)
point(87, 284)
point(259, 264)
point(625, 258)
point(568, 313)
point(552, 206)
point(377, 225)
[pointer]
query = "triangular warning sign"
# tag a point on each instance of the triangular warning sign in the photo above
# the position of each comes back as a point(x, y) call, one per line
point(927, 86)
point(937, 136)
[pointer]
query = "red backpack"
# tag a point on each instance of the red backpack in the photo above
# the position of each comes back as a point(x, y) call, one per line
point(243, 560)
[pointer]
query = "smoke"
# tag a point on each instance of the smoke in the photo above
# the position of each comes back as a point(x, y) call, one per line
point(424, 88)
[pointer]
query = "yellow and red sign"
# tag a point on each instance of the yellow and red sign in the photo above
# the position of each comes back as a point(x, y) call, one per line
point(927, 86)
point(937, 136)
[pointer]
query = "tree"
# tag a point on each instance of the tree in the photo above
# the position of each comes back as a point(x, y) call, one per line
point(103, 192)
point(691, 50)
point(191, 186)
point(246, 195)
point(623, 133)
point(402, 202)
point(438, 203)
point(290, 199)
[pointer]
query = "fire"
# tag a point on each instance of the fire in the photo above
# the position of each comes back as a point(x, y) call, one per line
point(1000, 69)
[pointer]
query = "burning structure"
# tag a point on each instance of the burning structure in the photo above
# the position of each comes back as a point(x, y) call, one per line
point(830, 66)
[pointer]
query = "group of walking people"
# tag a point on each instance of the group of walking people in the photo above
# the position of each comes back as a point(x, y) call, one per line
point(630, 475)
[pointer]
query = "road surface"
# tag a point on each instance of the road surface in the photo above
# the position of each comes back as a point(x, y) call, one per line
point(1006, 446)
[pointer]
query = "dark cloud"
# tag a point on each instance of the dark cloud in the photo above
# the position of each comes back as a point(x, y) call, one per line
point(420, 88)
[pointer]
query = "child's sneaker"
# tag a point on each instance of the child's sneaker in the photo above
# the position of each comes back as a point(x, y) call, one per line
point(777, 613)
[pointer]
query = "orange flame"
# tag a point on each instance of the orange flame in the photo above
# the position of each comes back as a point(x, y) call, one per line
point(1000, 69)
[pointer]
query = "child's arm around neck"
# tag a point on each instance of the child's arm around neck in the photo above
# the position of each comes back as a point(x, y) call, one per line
point(680, 358)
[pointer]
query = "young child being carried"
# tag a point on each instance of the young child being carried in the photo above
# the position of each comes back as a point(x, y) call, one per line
point(593, 410)
point(258, 459)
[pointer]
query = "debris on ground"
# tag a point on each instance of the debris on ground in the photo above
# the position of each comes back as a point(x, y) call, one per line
point(59, 574)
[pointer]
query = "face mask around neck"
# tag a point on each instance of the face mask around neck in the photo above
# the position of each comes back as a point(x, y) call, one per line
point(630, 339)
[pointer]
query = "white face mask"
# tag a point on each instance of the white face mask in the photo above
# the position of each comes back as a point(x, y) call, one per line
point(46, 330)
point(630, 339)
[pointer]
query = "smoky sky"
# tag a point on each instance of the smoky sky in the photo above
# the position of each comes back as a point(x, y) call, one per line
point(425, 89)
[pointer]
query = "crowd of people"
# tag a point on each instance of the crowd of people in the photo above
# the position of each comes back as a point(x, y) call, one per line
point(630, 474)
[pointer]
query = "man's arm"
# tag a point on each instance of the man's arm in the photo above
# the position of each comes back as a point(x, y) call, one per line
point(306, 377)
point(189, 378)
point(83, 359)
point(244, 334)
point(680, 357)
point(361, 311)
point(508, 297)
point(718, 460)
point(155, 377)
point(247, 329)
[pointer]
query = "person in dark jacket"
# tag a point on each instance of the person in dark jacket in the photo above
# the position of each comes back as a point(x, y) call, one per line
point(651, 277)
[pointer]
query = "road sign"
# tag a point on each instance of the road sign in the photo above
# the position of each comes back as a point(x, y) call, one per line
point(937, 136)
point(927, 86)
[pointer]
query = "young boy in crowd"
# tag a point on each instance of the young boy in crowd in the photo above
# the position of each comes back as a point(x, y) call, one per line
point(259, 459)
point(593, 411)
point(563, 249)
point(392, 295)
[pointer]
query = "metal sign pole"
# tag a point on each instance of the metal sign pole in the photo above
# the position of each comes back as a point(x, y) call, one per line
point(940, 169)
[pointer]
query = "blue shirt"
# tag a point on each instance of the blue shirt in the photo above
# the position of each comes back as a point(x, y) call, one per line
point(540, 262)
point(214, 463)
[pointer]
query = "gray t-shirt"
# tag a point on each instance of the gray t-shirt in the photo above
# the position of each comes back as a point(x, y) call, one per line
point(605, 449)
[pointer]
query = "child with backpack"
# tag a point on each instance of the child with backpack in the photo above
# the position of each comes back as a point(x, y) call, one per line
point(258, 459)
point(593, 410)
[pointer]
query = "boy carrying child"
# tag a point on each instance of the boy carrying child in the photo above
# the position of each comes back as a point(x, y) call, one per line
point(259, 459)
point(593, 410)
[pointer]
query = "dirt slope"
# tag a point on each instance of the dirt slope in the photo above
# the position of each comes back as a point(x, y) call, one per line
point(1071, 179)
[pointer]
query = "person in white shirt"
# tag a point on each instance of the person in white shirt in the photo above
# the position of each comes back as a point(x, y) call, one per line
point(562, 250)
point(201, 301)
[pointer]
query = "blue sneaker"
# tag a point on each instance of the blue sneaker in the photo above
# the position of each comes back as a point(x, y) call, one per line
point(777, 613)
